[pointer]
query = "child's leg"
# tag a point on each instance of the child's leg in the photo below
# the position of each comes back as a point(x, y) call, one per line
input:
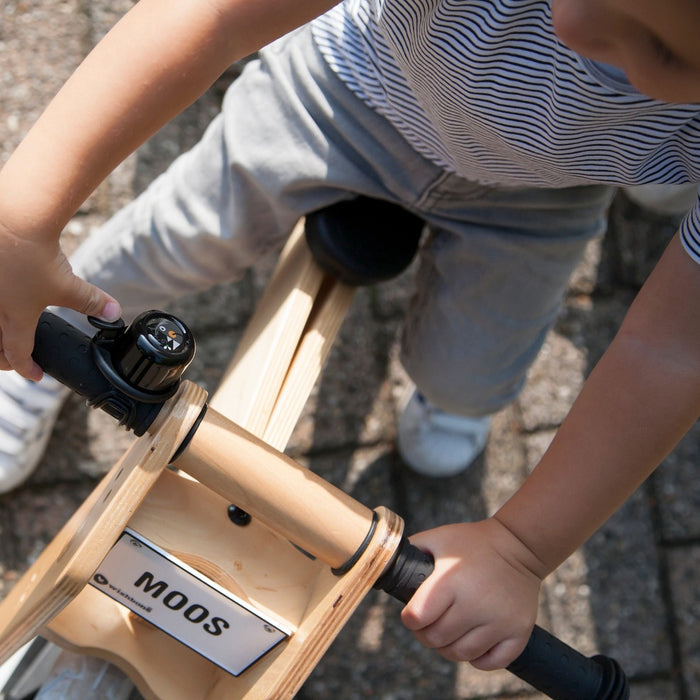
point(491, 282)
point(290, 139)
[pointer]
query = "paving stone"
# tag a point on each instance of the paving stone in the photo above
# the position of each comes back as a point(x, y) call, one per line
point(585, 277)
point(352, 403)
point(612, 588)
point(678, 489)
point(636, 238)
point(684, 564)
point(103, 16)
point(504, 461)
point(35, 517)
point(554, 382)
point(607, 597)
point(472, 683)
point(85, 442)
point(40, 45)
point(655, 690)
point(8, 573)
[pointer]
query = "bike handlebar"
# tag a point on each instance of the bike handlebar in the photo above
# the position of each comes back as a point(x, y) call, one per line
point(546, 663)
point(84, 365)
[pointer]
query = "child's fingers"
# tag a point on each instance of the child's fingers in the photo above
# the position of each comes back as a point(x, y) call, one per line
point(17, 346)
point(468, 646)
point(484, 646)
point(500, 655)
point(483, 650)
point(428, 604)
point(461, 632)
point(86, 298)
point(455, 637)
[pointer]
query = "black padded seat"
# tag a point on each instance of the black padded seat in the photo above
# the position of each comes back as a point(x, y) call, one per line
point(363, 241)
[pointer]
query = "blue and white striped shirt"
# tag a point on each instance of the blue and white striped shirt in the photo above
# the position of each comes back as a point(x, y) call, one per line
point(484, 88)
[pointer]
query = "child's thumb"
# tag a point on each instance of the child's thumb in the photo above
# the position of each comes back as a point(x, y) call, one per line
point(90, 300)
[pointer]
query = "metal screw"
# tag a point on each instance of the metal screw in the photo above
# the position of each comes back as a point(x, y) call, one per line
point(238, 516)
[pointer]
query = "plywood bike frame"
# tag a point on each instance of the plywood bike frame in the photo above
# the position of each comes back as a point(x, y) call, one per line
point(234, 456)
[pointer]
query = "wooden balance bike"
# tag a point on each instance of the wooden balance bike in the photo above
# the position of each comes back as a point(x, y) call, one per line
point(147, 574)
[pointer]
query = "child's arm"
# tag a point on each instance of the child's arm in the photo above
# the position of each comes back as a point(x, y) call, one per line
point(157, 60)
point(642, 397)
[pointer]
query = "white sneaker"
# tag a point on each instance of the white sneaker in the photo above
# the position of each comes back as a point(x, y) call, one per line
point(28, 412)
point(435, 443)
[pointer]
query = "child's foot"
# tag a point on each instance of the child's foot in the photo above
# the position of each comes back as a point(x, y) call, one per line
point(435, 443)
point(28, 412)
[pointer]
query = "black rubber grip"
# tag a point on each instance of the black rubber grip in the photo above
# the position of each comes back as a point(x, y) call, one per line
point(68, 355)
point(563, 673)
point(65, 353)
point(547, 664)
point(409, 568)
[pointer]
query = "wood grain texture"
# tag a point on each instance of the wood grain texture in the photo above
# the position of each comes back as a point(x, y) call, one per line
point(70, 559)
point(235, 457)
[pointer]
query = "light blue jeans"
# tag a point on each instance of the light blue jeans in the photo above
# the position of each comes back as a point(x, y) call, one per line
point(291, 139)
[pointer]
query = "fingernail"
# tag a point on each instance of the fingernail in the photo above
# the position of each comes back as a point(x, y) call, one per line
point(111, 311)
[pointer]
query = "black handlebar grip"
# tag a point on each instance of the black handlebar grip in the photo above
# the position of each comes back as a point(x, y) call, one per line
point(562, 673)
point(409, 568)
point(547, 664)
point(68, 355)
point(65, 353)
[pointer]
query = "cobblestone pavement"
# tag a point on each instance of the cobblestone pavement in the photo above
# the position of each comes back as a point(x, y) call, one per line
point(631, 591)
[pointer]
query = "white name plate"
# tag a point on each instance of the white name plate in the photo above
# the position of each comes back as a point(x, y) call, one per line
point(185, 604)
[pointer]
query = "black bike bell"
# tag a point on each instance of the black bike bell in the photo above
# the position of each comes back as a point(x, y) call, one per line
point(153, 352)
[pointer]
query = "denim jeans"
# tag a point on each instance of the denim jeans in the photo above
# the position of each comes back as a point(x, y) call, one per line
point(290, 139)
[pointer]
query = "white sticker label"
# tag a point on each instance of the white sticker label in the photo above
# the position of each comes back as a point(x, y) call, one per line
point(185, 604)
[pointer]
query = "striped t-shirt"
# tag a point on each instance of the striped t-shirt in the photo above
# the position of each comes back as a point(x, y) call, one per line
point(484, 89)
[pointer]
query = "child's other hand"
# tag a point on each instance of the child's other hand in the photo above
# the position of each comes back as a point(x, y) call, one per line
point(34, 275)
point(480, 602)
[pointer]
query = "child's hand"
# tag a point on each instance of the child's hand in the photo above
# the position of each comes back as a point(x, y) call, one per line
point(33, 276)
point(480, 602)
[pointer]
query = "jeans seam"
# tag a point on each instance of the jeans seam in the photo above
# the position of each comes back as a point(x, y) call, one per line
point(429, 197)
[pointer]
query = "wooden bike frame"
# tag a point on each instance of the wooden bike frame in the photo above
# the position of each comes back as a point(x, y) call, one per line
point(263, 391)
point(304, 555)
